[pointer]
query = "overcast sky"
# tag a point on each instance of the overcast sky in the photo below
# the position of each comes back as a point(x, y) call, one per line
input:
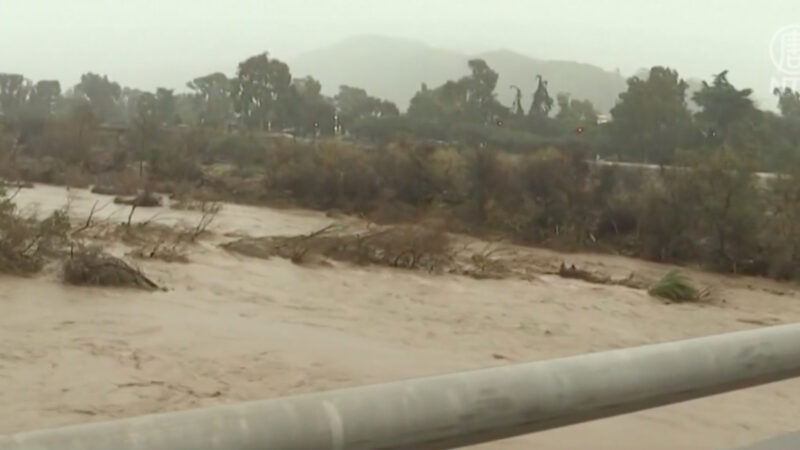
point(145, 43)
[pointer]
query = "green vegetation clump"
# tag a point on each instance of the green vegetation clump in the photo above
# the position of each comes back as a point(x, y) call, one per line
point(676, 287)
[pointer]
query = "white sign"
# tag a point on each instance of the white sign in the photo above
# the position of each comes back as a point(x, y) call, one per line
point(784, 49)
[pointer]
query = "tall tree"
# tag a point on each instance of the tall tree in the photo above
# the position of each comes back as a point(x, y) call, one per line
point(213, 96)
point(722, 104)
point(788, 102)
point(14, 91)
point(312, 112)
point(44, 97)
point(426, 105)
point(165, 106)
point(651, 118)
point(470, 99)
point(188, 108)
point(354, 104)
point(146, 122)
point(261, 91)
point(572, 111)
point(516, 107)
point(129, 104)
point(542, 102)
point(479, 87)
point(103, 96)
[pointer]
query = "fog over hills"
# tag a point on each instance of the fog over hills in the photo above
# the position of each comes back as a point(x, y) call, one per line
point(395, 68)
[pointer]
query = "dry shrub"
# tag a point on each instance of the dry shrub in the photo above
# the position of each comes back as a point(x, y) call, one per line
point(573, 272)
point(16, 185)
point(327, 175)
point(166, 243)
point(780, 234)
point(125, 183)
point(209, 212)
point(91, 266)
point(8, 166)
point(403, 247)
point(407, 175)
point(633, 280)
point(162, 250)
point(666, 220)
point(227, 187)
point(108, 190)
point(75, 176)
point(490, 262)
point(26, 242)
point(46, 169)
point(186, 203)
point(144, 199)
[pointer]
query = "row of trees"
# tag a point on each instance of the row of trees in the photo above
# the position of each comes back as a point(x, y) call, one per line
point(262, 95)
point(651, 120)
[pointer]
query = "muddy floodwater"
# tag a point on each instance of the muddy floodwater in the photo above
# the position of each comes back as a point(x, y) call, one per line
point(230, 328)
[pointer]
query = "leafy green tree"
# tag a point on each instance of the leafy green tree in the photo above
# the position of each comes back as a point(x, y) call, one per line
point(788, 102)
point(188, 108)
point(165, 106)
point(479, 87)
point(722, 104)
point(44, 97)
point(471, 99)
point(103, 96)
point(781, 234)
point(129, 100)
point(312, 112)
point(651, 118)
point(425, 105)
point(727, 203)
point(573, 112)
point(14, 89)
point(261, 91)
point(74, 134)
point(354, 104)
point(42, 102)
point(212, 99)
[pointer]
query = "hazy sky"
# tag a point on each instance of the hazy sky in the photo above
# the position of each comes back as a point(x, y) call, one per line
point(145, 43)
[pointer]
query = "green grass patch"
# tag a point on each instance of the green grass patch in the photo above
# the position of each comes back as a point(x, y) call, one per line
point(675, 286)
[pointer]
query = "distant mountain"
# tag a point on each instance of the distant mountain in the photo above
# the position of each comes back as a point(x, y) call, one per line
point(582, 81)
point(395, 68)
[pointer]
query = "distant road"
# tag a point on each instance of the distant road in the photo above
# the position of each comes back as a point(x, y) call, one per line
point(761, 175)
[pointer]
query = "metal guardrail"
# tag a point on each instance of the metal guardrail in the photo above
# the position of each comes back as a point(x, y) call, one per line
point(457, 409)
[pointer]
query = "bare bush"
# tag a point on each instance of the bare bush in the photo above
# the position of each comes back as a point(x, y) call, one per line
point(163, 249)
point(26, 242)
point(145, 199)
point(124, 183)
point(91, 266)
point(209, 212)
point(402, 247)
